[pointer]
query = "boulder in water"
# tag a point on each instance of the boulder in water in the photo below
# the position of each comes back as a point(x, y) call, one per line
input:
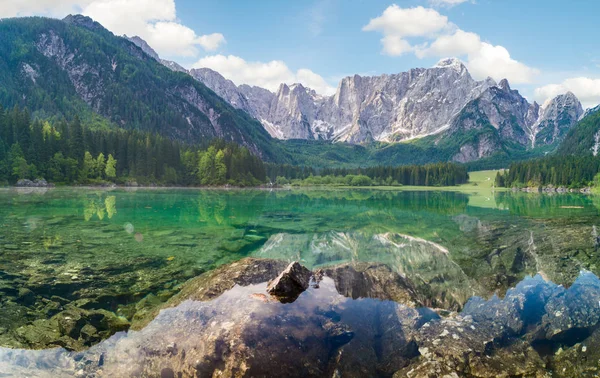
point(292, 282)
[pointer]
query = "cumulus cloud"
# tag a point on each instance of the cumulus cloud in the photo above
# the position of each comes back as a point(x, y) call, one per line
point(17, 8)
point(495, 61)
point(314, 81)
point(403, 28)
point(396, 24)
point(585, 88)
point(153, 20)
point(268, 75)
point(459, 43)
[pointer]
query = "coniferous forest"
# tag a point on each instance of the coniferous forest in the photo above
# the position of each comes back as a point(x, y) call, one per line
point(69, 153)
point(569, 171)
point(438, 174)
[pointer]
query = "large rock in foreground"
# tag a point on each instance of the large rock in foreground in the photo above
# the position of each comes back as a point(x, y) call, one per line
point(225, 324)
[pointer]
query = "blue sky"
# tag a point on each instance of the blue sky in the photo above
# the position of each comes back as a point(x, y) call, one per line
point(550, 35)
point(543, 47)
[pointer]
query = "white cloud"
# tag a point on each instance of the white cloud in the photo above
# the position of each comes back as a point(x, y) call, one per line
point(397, 24)
point(408, 22)
point(153, 20)
point(268, 75)
point(16, 8)
point(402, 26)
point(495, 61)
point(314, 81)
point(173, 39)
point(394, 45)
point(457, 44)
point(585, 88)
point(212, 41)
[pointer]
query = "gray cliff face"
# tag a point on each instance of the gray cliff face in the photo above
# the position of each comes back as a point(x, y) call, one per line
point(173, 66)
point(501, 114)
point(258, 99)
point(292, 112)
point(557, 116)
point(405, 106)
point(87, 80)
point(379, 108)
point(400, 107)
point(221, 86)
point(139, 42)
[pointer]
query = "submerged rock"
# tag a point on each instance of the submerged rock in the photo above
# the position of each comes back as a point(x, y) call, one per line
point(378, 281)
point(360, 320)
point(72, 329)
point(574, 312)
point(290, 283)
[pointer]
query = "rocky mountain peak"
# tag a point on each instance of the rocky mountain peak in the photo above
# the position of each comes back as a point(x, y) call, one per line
point(173, 66)
point(590, 111)
point(84, 21)
point(570, 97)
point(450, 63)
point(564, 102)
point(283, 90)
point(139, 42)
point(504, 85)
point(142, 44)
point(208, 74)
point(453, 64)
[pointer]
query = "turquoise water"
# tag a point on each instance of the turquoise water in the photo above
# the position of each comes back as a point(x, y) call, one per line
point(119, 254)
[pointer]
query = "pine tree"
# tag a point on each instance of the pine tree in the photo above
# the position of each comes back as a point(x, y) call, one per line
point(111, 167)
point(220, 168)
point(100, 166)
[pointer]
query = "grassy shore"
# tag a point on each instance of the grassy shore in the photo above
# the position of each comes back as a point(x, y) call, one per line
point(480, 188)
point(480, 181)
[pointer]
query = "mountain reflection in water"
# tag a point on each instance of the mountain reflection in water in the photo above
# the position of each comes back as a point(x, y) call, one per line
point(362, 320)
point(80, 266)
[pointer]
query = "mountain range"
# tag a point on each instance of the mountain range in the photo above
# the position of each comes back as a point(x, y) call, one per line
point(62, 68)
point(443, 101)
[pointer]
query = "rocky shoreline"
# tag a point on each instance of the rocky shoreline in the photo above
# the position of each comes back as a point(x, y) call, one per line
point(350, 320)
point(552, 189)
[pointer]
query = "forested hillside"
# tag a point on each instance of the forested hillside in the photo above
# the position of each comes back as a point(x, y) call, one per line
point(62, 69)
point(583, 138)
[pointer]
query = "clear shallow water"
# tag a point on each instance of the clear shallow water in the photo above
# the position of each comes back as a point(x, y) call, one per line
point(117, 255)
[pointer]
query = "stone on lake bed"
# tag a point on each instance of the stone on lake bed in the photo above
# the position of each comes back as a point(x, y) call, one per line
point(254, 238)
point(290, 283)
point(162, 233)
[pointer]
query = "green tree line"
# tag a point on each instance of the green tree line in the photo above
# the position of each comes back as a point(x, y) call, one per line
point(568, 171)
point(438, 174)
point(69, 153)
